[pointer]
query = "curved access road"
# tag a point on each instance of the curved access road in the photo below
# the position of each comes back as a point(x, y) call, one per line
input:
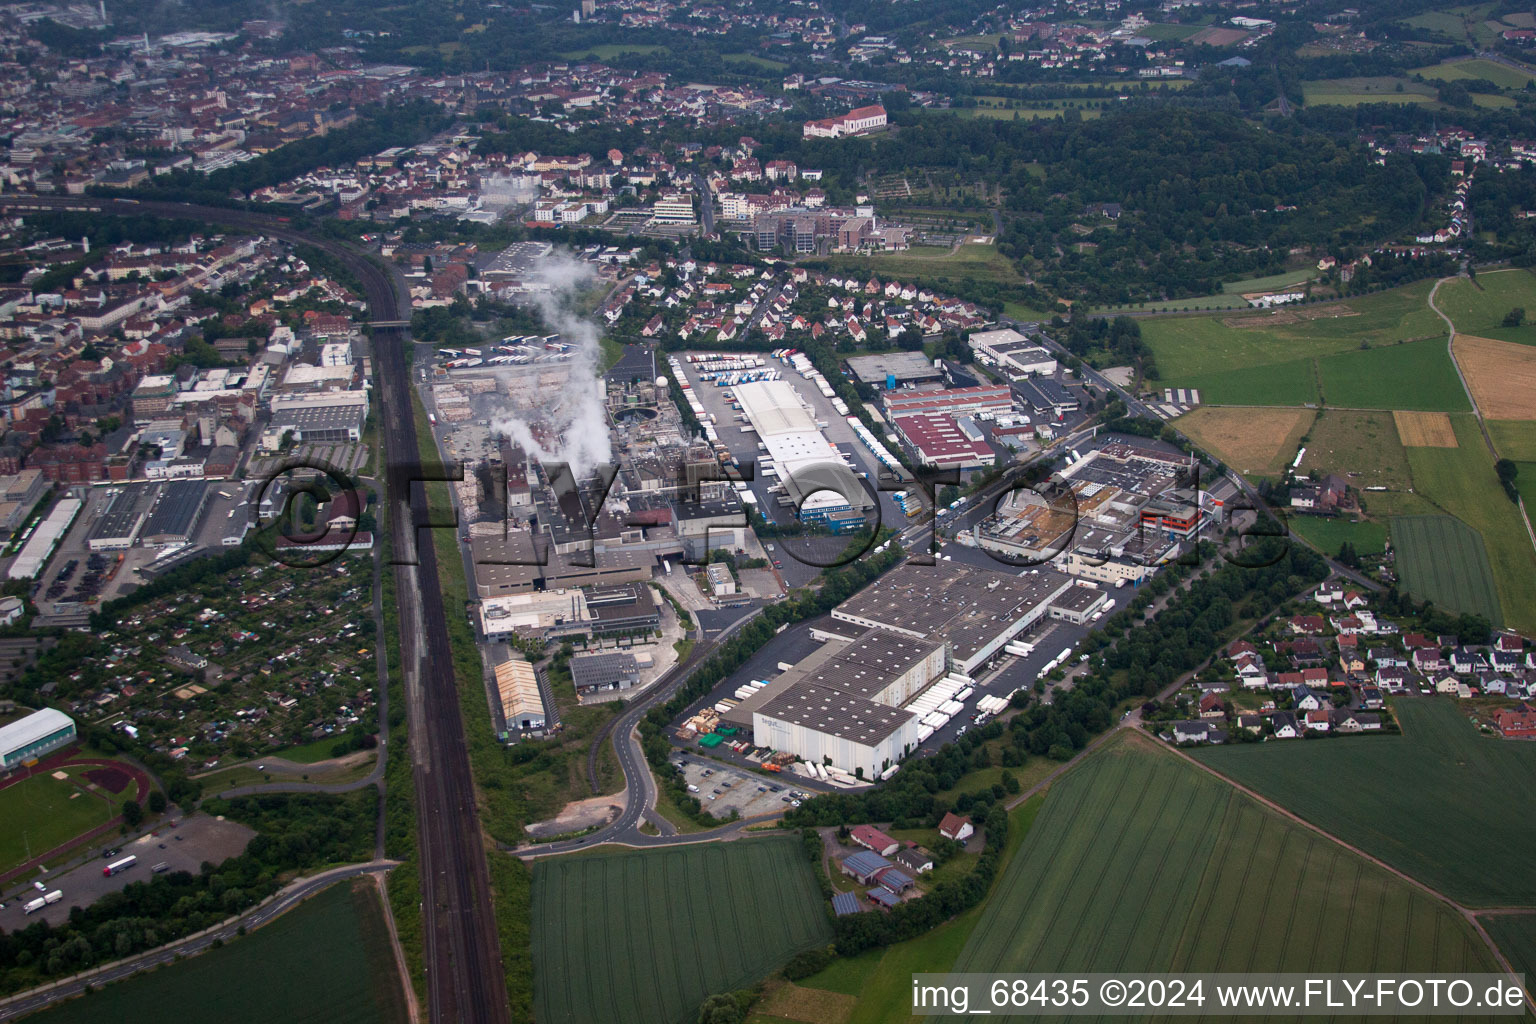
point(466, 980)
point(639, 793)
point(286, 899)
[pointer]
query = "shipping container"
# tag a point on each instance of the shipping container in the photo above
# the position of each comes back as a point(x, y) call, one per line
point(54, 896)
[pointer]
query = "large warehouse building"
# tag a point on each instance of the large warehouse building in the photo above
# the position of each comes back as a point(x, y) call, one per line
point(850, 700)
point(977, 611)
point(1011, 352)
point(29, 738)
point(522, 706)
point(812, 472)
point(940, 440)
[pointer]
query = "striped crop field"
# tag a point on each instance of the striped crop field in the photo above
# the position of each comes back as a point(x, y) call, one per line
point(1443, 560)
point(1140, 861)
point(644, 936)
point(1434, 802)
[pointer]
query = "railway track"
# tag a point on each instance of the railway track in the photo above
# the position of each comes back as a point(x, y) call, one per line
point(465, 975)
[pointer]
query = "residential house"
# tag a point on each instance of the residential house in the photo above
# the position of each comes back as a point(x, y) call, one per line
point(1212, 707)
point(1285, 725)
point(1303, 699)
point(1516, 723)
point(1319, 721)
point(956, 827)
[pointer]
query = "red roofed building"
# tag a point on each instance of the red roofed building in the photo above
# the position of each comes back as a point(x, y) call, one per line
point(855, 122)
point(1516, 723)
point(872, 838)
point(939, 440)
point(956, 827)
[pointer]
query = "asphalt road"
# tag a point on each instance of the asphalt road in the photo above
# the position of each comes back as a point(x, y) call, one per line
point(19, 1006)
point(639, 785)
point(465, 976)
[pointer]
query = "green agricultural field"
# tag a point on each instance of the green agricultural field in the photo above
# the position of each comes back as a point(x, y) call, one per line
point(1142, 862)
point(1231, 296)
point(1502, 75)
point(1369, 538)
point(1186, 346)
point(1351, 92)
point(1514, 439)
point(1433, 802)
point(327, 961)
point(42, 813)
point(1461, 481)
point(1442, 559)
point(975, 262)
point(668, 926)
point(1415, 376)
point(1525, 483)
point(608, 51)
point(1362, 447)
point(1292, 383)
point(1516, 938)
point(759, 62)
point(1479, 308)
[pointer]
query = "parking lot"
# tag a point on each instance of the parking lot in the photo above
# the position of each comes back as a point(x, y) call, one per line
point(743, 446)
point(181, 848)
point(722, 789)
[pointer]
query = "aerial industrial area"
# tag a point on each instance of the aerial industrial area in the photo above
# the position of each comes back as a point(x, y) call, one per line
point(654, 513)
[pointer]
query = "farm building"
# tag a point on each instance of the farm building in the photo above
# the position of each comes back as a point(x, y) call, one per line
point(873, 839)
point(864, 866)
point(914, 859)
point(29, 738)
point(844, 903)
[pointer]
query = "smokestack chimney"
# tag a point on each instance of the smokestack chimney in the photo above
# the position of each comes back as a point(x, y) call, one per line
point(103, 12)
point(85, 243)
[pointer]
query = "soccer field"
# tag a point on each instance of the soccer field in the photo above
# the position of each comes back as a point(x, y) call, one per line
point(645, 936)
point(42, 813)
point(1433, 802)
point(1142, 862)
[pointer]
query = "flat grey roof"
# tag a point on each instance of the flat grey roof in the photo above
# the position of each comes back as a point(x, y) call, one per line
point(968, 606)
point(1078, 598)
point(175, 511)
point(836, 713)
point(867, 666)
point(602, 668)
point(123, 510)
point(874, 369)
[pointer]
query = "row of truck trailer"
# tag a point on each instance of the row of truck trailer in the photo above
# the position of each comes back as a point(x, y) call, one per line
point(49, 898)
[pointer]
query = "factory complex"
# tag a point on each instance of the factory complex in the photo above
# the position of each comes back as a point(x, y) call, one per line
point(896, 662)
point(1124, 509)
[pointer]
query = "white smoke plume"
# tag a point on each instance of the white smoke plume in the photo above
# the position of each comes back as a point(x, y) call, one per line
point(574, 415)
